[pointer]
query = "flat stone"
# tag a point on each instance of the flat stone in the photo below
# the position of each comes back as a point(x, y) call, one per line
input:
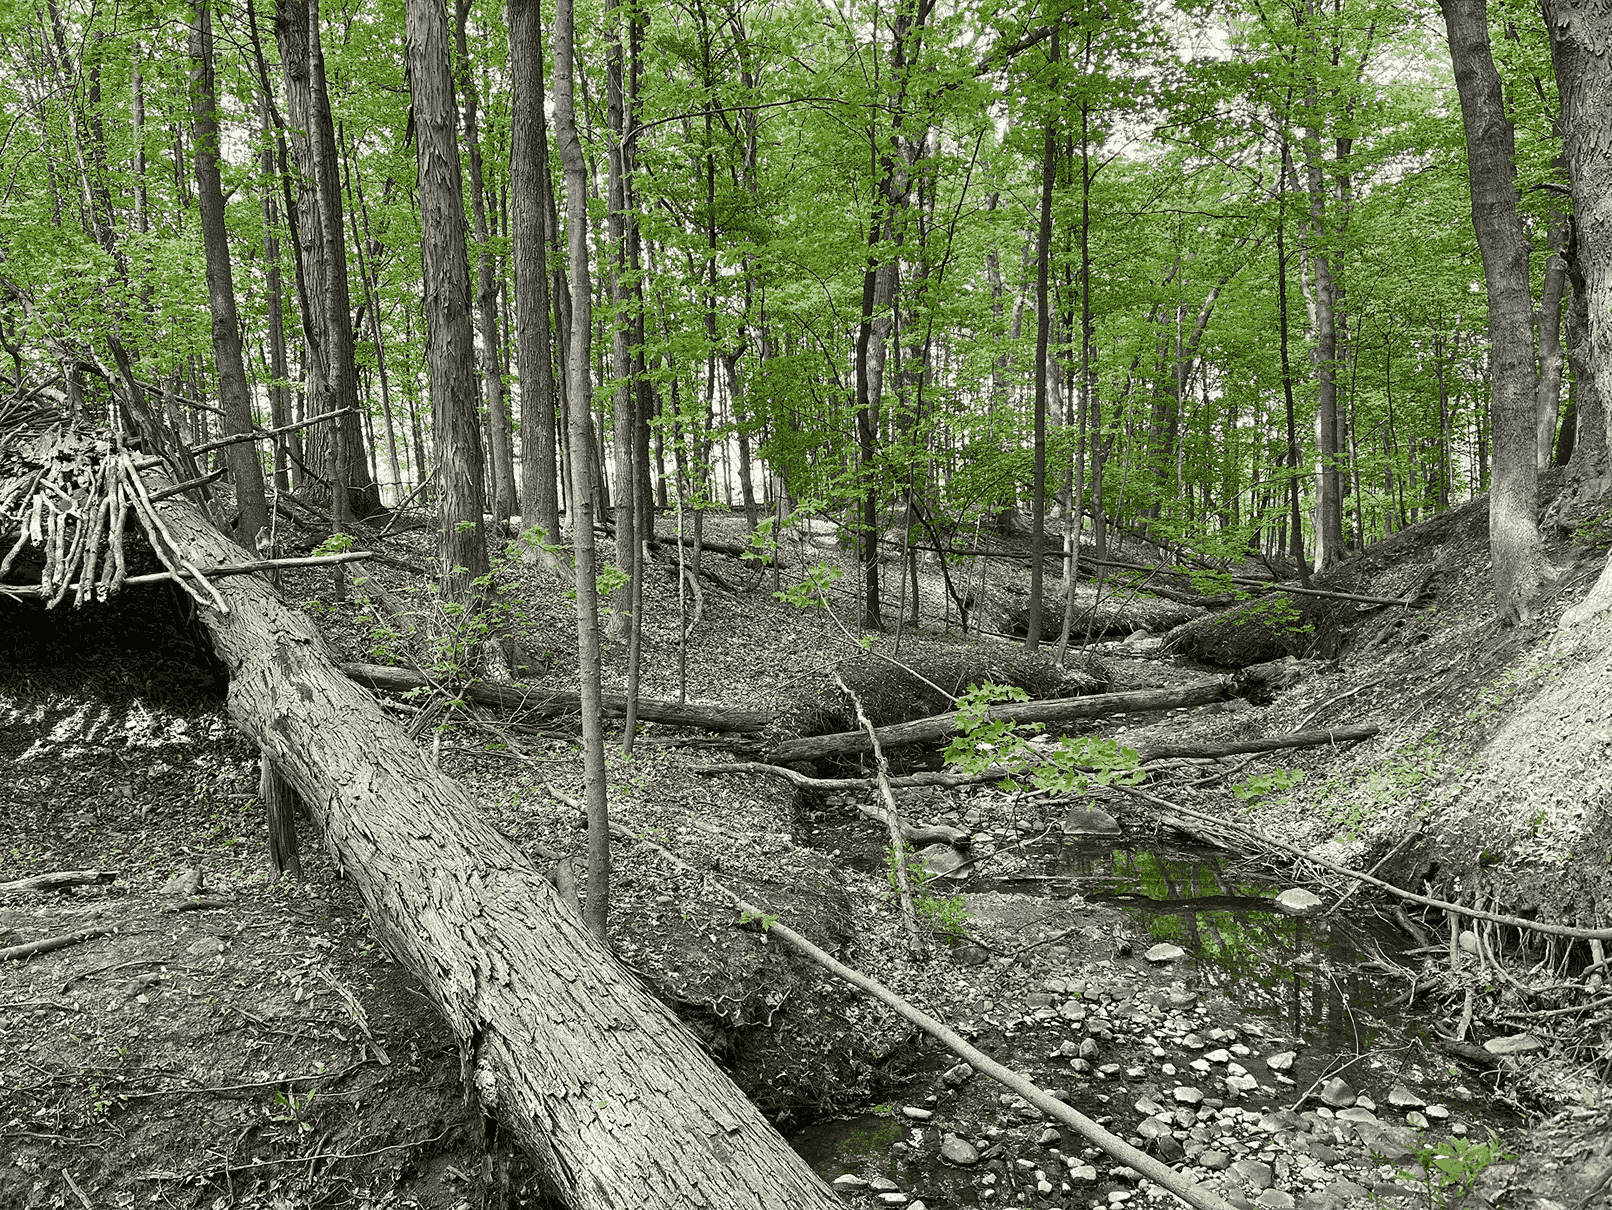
point(882, 1184)
point(1281, 1119)
point(1188, 1096)
point(893, 1199)
point(1164, 951)
point(1255, 1174)
point(1089, 821)
point(1337, 1093)
point(1282, 1060)
point(917, 1113)
point(943, 861)
point(1436, 1112)
point(956, 1076)
point(1180, 999)
point(1168, 1148)
point(1356, 1114)
point(849, 1180)
point(1083, 1173)
point(1275, 1199)
point(1516, 1044)
point(1296, 901)
point(1342, 1194)
point(969, 955)
point(1219, 1056)
point(1215, 1161)
point(1152, 1128)
point(959, 1151)
point(1193, 1042)
point(1403, 1098)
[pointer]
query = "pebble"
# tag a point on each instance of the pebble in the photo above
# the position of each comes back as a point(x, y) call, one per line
point(1083, 1172)
point(1163, 952)
point(917, 1113)
point(1516, 1044)
point(1215, 1161)
point(1275, 1199)
point(959, 1151)
point(850, 1180)
point(1403, 1098)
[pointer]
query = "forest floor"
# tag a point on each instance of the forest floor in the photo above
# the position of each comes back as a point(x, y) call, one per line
point(229, 1040)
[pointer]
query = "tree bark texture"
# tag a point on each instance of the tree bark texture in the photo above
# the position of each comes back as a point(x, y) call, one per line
point(502, 496)
point(584, 482)
point(450, 353)
point(1516, 551)
point(534, 337)
point(1051, 710)
point(604, 1089)
point(246, 472)
point(1581, 51)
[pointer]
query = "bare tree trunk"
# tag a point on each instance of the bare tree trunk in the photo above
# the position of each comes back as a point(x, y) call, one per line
point(596, 898)
point(502, 497)
point(1579, 40)
point(1516, 550)
point(233, 392)
point(534, 338)
point(462, 544)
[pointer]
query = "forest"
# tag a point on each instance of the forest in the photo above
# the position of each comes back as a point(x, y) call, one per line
point(734, 425)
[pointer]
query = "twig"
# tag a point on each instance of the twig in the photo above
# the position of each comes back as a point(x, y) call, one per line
point(73, 1185)
point(1333, 701)
point(892, 817)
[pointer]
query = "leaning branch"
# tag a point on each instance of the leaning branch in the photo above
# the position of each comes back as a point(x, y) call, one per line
point(1193, 1194)
point(58, 880)
point(211, 573)
point(892, 819)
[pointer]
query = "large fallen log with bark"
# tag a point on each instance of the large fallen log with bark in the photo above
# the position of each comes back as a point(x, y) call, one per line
point(1053, 710)
point(607, 1092)
point(560, 701)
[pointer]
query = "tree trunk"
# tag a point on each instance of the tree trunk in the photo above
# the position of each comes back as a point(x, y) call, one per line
point(943, 726)
point(462, 544)
point(604, 1089)
point(245, 470)
point(1043, 328)
point(596, 898)
point(501, 499)
point(1579, 39)
point(1516, 550)
point(534, 338)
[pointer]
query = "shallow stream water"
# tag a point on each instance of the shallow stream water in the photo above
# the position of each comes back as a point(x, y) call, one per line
point(1259, 981)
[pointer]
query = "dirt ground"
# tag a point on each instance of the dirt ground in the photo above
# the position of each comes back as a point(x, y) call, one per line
point(229, 1040)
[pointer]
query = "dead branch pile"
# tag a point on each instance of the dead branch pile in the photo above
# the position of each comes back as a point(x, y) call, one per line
point(67, 493)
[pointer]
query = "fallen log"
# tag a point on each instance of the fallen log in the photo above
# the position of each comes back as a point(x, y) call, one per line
point(1051, 710)
point(58, 880)
point(562, 701)
point(46, 945)
point(607, 1092)
point(1144, 755)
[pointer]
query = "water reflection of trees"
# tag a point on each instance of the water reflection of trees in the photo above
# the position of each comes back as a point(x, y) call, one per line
point(1304, 973)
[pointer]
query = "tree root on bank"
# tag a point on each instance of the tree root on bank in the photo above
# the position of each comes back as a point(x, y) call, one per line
point(1536, 926)
point(1192, 1194)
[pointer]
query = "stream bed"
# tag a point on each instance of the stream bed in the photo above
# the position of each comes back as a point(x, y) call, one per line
point(1268, 1058)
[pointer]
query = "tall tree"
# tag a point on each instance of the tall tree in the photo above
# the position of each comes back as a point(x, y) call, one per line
point(450, 351)
point(596, 897)
point(534, 338)
point(1516, 550)
point(246, 470)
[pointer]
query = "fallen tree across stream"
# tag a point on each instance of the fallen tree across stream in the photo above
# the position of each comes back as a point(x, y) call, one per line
point(1145, 755)
point(1049, 710)
point(610, 1095)
point(562, 701)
